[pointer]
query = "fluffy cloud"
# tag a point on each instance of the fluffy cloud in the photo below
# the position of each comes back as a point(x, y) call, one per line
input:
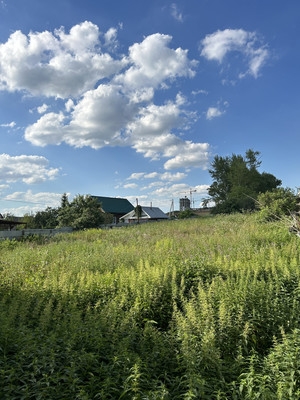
point(180, 154)
point(154, 120)
point(47, 130)
point(178, 176)
point(109, 99)
point(99, 118)
point(42, 109)
point(187, 154)
point(110, 38)
point(176, 189)
point(130, 186)
point(166, 176)
point(155, 147)
point(218, 44)
point(176, 14)
point(3, 187)
point(179, 190)
point(213, 112)
point(33, 202)
point(153, 62)
point(9, 125)
point(137, 175)
point(55, 64)
point(48, 198)
point(27, 169)
point(120, 111)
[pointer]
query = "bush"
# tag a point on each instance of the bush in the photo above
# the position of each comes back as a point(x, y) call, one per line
point(277, 203)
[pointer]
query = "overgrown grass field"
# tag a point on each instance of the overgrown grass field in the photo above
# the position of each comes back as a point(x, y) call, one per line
point(205, 308)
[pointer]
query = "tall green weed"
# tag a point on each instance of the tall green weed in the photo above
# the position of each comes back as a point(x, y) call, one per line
point(179, 309)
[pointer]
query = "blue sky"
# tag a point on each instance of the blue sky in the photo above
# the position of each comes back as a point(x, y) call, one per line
point(134, 99)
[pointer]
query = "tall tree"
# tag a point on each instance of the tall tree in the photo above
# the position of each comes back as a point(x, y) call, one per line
point(82, 213)
point(46, 219)
point(64, 213)
point(237, 182)
point(64, 201)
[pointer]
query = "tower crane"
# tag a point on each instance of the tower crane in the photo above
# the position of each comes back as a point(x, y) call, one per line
point(191, 196)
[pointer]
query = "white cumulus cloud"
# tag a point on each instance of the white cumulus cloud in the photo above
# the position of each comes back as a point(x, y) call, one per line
point(188, 154)
point(42, 109)
point(8, 125)
point(213, 112)
point(27, 169)
point(48, 198)
point(153, 62)
point(55, 64)
point(130, 186)
point(176, 14)
point(109, 100)
point(217, 45)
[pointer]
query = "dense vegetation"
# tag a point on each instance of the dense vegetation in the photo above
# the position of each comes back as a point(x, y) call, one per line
point(203, 308)
point(237, 182)
point(83, 212)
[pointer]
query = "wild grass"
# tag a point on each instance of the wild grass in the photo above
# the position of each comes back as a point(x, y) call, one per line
point(193, 309)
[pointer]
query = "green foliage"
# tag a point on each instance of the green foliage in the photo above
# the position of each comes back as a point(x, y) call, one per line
point(278, 375)
point(205, 308)
point(185, 214)
point(82, 213)
point(277, 203)
point(46, 219)
point(237, 182)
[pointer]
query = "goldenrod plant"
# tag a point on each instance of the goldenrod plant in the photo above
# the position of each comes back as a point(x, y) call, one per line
point(204, 308)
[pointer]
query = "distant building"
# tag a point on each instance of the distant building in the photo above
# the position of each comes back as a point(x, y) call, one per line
point(184, 204)
point(116, 206)
point(147, 214)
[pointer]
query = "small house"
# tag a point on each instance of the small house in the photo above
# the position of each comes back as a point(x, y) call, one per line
point(116, 206)
point(147, 214)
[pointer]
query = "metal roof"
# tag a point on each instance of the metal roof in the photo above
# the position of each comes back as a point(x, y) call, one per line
point(147, 213)
point(154, 212)
point(114, 205)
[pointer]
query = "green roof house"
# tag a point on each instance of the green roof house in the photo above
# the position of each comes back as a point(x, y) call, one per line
point(115, 206)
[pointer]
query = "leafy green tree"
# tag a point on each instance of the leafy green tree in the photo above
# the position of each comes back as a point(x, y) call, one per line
point(64, 213)
point(29, 220)
point(237, 182)
point(64, 201)
point(46, 219)
point(82, 213)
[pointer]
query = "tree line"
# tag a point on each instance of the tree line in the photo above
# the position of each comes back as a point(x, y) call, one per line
point(239, 186)
point(83, 212)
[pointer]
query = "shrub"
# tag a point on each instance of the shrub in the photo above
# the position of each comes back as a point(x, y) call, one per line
point(276, 204)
